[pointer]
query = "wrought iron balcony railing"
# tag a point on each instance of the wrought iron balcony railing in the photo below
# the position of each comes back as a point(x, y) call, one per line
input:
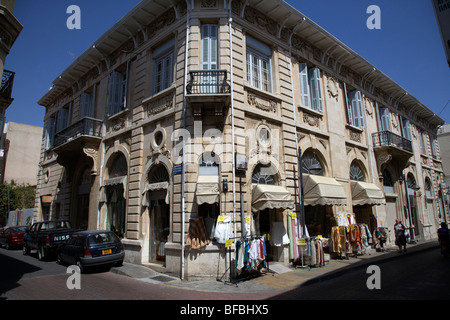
point(7, 84)
point(208, 82)
point(387, 138)
point(85, 127)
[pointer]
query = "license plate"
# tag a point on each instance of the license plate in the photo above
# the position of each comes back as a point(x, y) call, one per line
point(107, 251)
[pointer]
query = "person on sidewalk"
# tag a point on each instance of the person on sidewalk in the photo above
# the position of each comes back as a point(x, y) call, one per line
point(400, 237)
point(443, 232)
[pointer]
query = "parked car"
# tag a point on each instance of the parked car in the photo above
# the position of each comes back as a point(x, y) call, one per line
point(91, 248)
point(46, 236)
point(12, 236)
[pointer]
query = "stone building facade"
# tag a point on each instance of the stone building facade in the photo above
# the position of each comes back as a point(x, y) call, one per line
point(190, 114)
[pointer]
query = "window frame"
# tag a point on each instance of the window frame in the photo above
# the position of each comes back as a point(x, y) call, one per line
point(258, 55)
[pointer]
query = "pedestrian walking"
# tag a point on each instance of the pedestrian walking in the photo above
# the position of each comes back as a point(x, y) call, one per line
point(400, 236)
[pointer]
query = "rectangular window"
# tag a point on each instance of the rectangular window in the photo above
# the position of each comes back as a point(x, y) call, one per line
point(163, 64)
point(422, 142)
point(354, 108)
point(259, 73)
point(87, 103)
point(406, 130)
point(49, 130)
point(63, 118)
point(383, 119)
point(433, 147)
point(117, 92)
point(209, 80)
point(311, 88)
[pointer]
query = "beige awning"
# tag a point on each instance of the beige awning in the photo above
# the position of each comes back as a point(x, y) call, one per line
point(155, 191)
point(366, 193)
point(207, 189)
point(323, 191)
point(113, 182)
point(265, 196)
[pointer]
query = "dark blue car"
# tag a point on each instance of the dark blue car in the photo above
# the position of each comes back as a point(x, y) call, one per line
point(91, 248)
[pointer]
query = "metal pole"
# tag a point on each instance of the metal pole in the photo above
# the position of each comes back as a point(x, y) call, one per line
point(302, 197)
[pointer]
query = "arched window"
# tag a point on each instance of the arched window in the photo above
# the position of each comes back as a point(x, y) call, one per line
point(356, 173)
point(308, 160)
point(387, 178)
point(209, 164)
point(264, 175)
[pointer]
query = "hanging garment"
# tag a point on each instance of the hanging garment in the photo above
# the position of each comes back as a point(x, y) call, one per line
point(197, 236)
point(278, 235)
point(223, 230)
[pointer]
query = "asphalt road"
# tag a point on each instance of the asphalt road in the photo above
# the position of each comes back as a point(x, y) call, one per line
point(420, 276)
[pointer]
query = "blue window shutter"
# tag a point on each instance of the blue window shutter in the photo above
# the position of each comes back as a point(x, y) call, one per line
point(315, 88)
point(348, 105)
point(357, 110)
point(304, 85)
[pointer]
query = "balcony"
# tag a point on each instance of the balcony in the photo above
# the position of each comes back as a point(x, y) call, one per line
point(79, 142)
point(208, 90)
point(390, 147)
point(6, 88)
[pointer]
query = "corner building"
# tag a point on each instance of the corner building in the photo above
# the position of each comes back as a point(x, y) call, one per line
point(189, 113)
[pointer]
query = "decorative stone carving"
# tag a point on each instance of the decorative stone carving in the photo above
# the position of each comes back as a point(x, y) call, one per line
point(92, 152)
point(311, 119)
point(267, 104)
point(160, 105)
point(333, 88)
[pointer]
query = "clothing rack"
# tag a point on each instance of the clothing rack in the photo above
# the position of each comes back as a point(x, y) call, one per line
point(234, 280)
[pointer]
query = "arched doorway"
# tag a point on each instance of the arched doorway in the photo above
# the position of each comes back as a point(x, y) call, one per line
point(83, 193)
point(115, 191)
point(157, 201)
point(412, 201)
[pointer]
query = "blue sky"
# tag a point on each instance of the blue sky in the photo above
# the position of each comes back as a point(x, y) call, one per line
point(407, 48)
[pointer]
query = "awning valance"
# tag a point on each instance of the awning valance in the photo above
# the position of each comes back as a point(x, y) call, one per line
point(366, 193)
point(322, 191)
point(265, 196)
point(113, 182)
point(155, 191)
point(207, 189)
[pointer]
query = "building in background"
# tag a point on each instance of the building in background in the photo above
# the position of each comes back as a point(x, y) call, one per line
point(183, 126)
point(21, 153)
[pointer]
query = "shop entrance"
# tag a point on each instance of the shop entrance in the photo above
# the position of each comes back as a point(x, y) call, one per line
point(159, 230)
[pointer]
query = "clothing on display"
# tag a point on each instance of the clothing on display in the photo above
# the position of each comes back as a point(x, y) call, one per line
point(278, 235)
point(223, 230)
point(350, 239)
point(197, 236)
point(250, 254)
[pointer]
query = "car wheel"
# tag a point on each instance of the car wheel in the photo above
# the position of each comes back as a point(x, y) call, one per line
point(59, 259)
point(7, 246)
point(41, 253)
point(25, 249)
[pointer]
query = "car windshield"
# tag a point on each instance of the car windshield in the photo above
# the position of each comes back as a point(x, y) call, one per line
point(96, 240)
point(52, 225)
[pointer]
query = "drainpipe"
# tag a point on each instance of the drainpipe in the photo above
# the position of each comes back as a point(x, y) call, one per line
point(369, 145)
point(183, 218)
point(230, 20)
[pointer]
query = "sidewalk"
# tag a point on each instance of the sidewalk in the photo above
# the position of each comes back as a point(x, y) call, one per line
point(280, 278)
